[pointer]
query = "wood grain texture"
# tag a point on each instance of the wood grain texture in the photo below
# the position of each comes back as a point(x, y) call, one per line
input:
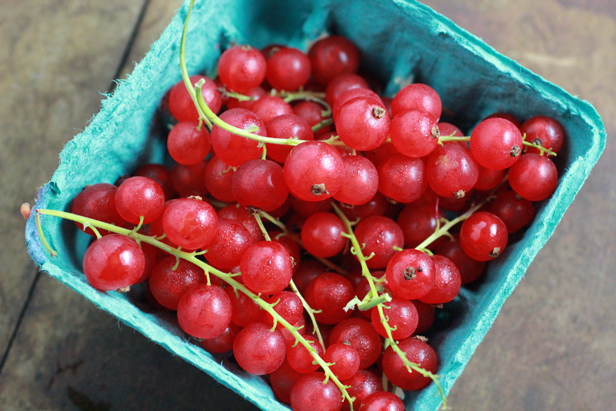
point(56, 58)
point(553, 345)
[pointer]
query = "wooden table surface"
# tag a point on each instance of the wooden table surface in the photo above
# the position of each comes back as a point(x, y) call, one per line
point(553, 347)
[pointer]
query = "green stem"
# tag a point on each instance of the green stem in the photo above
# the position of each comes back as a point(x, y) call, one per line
point(226, 277)
point(322, 124)
point(379, 306)
point(42, 236)
point(185, 76)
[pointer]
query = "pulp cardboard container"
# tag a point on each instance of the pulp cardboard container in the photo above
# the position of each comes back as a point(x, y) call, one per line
point(400, 42)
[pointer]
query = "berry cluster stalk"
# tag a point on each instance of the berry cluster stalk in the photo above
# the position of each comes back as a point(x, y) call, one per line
point(356, 250)
point(226, 277)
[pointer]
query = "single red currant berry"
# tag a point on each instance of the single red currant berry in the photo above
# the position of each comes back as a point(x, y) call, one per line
point(217, 178)
point(232, 239)
point(515, 211)
point(187, 144)
point(299, 357)
point(282, 381)
point(233, 149)
point(417, 97)
point(483, 236)
point(496, 143)
point(402, 178)
point(534, 177)
point(287, 69)
point(332, 56)
point(451, 171)
point(311, 394)
point(190, 223)
point(402, 318)
point(380, 235)
point(181, 103)
point(447, 282)
point(204, 311)
point(140, 197)
point(314, 171)
point(160, 174)
point(544, 131)
point(242, 68)
point(417, 352)
point(260, 184)
point(414, 133)
point(258, 350)
point(410, 274)
point(113, 262)
point(342, 83)
point(330, 293)
point(345, 358)
point(285, 127)
point(363, 123)
point(361, 181)
point(362, 336)
point(168, 283)
point(362, 385)
point(188, 180)
point(322, 235)
point(266, 267)
point(382, 401)
point(224, 342)
point(98, 202)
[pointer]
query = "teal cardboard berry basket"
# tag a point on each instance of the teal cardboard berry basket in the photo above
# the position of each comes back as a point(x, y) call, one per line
point(400, 42)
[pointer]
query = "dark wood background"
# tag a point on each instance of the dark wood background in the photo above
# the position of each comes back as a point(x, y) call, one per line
point(553, 347)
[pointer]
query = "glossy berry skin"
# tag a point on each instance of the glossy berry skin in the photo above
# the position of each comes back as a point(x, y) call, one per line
point(168, 285)
point(360, 182)
point(282, 381)
point(232, 239)
point(314, 171)
point(258, 350)
point(410, 274)
point(417, 97)
point(241, 68)
point(233, 149)
point(418, 223)
point(380, 235)
point(222, 343)
point(181, 104)
point(299, 357)
point(402, 315)
point(402, 178)
point(451, 171)
point(363, 123)
point(496, 143)
point(288, 69)
point(204, 311)
point(346, 360)
point(188, 180)
point(417, 352)
point(266, 267)
point(414, 133)
point(350, 94)
point(332, 56)
point(426, 313)
point(217, 178)
point(362, 336)
point(112, 262)
point(242, 216)
point(98, 202)
point(288, 305)
point(342, 83)
point(545, 129)
point(382, 401)
point(321, 235)
point(245, 310)
point(187, 144)
point(160, 174)
point(515, 211)
point(260, 184)
point(310, 394)
point(447, 282)
point(284, 127)
point(190, 223)
point(140, 196)
point(470, 269)
point(483, 236)
point(269, 107)
point(363, 384)
point(330, 293)
point(534, 177)
point(488, 179)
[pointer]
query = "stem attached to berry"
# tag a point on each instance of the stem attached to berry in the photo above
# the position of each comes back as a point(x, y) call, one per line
point(356, 250)
point(546, 151)
point(208, 269)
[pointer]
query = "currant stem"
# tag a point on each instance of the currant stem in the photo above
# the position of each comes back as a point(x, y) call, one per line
point(379, 306)
point(42, 236)
point(322, 124)
point(185, 76)
point(226, 277)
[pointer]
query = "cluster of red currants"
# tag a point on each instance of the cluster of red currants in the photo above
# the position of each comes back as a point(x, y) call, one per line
point(328, 307)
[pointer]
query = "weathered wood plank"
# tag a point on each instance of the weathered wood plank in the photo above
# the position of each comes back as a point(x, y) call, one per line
point(56, 56)
point(552, 346)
